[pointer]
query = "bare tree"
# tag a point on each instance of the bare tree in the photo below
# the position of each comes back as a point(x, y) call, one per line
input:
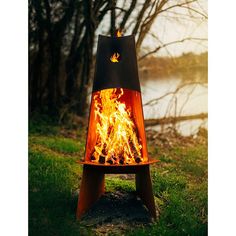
point(62, 38)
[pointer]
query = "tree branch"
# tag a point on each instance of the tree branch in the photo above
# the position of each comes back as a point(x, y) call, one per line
point(156, 100)
point(140, 16)
point(170, 43)
point(127, 14)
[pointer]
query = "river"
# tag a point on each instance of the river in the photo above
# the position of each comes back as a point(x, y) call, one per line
point(191, 98)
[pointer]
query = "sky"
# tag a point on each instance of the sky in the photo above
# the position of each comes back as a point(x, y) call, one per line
point(171, 30)
point(171, 27)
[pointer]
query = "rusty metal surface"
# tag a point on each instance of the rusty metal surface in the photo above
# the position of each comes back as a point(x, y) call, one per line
point(114, 165)
point(144, 189)
point(117, 169)
point(92, 187)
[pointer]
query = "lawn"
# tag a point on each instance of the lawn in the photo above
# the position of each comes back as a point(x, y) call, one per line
point(179, 184)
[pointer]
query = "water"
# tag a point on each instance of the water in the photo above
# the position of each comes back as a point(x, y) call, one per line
point(175, 96)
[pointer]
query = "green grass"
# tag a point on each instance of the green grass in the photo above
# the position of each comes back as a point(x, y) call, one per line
point(43, 125)
point(59, 144)
point(52, 182)
point(179, 185)
point(180, 189)
point(54, 178)
point(116, 184)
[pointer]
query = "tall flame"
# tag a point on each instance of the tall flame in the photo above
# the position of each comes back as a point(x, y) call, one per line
point(117, 140)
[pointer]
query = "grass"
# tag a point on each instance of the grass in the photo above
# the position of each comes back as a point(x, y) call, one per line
point(180, 188)
point(59, 144)
point(179, 185)
point(116, 184)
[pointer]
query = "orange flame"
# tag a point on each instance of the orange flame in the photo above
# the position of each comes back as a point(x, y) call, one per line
point(115, 57)
point(118, 33)
point(117, 139)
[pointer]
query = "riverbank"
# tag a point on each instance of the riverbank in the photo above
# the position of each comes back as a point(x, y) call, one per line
point(179, 184)
point(189, 66)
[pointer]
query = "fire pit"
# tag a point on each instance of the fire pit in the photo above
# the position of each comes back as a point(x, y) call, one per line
point(116, 141)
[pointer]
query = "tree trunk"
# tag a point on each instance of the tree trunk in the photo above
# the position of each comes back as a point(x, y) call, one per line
point(78, 67)
point(53, 101)
point(113, 18)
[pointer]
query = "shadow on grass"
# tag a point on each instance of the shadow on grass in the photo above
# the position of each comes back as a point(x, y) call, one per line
point(116, 212)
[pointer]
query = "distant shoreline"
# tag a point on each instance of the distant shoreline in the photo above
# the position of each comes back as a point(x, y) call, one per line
point(185, 65)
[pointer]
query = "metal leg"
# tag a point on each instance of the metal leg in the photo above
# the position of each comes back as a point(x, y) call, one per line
point(92, 187)
point(144, 189)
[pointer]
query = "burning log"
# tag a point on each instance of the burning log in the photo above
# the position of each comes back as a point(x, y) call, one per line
point(138, 159)
point(102, 159)
point(110, 161)
point(121, 161)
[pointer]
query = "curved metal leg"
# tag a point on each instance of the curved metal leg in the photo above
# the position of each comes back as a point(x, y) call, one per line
point(144, 189)
point(92, 187)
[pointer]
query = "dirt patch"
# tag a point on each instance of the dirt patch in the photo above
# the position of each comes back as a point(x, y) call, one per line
point(115, 213)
